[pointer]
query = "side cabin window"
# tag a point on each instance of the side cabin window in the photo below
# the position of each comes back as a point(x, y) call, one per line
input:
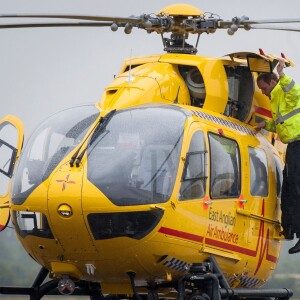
point(279, 175)
point(258, 172)
point(193, 180)
point(224, 167)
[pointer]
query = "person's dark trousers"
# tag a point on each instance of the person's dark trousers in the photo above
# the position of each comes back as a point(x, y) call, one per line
point(292, 205)
point(286, 211)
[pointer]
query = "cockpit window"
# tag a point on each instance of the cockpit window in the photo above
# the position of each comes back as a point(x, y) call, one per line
point(194, 176)
point(134, 159)
point(48, 145)
point(225, 181)
point(31, 223)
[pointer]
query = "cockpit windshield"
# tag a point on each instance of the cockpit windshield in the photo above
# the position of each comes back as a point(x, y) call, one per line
point(48, 145)
point(134, 159)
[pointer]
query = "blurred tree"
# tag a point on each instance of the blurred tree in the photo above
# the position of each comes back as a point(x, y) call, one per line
point(17, 267)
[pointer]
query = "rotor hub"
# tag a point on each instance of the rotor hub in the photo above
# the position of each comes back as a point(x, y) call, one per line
point(181, 10)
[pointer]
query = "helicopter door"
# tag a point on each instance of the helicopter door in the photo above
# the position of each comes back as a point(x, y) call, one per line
point(226, 229)
point(11, 141)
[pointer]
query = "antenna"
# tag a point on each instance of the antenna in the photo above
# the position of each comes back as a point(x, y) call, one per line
point(130, 78)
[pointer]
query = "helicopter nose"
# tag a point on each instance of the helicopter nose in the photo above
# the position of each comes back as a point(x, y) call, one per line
point(65, 210)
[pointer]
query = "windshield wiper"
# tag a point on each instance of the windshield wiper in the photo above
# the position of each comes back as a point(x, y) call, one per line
point(79, 148)
point(101, 125)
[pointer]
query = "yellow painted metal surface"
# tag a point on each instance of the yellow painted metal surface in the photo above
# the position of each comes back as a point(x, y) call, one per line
point(181, 10)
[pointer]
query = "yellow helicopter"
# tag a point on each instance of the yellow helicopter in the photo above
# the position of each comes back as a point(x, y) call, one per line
point(163, 188)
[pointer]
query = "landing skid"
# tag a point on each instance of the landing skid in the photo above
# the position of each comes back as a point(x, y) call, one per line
point(205, 281)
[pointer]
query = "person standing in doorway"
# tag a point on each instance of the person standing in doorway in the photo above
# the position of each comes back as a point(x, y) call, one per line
point(284, 95)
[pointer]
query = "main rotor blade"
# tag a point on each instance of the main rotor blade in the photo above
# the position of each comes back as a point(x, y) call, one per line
point(133, 19)
point(244, 21)
point(153, 23)
point(37, 25)
point(275, 28)
point(271, 21)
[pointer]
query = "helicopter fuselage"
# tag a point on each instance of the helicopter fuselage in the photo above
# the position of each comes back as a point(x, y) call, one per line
point(174, 175)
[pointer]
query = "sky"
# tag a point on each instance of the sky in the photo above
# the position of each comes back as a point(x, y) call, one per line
point(44, 70)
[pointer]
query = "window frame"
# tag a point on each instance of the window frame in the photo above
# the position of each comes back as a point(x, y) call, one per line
point(204, 168)
point(238, 181)
point(278, 175)
point(258, 192)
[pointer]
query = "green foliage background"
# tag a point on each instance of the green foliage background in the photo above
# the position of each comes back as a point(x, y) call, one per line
point(17, 267)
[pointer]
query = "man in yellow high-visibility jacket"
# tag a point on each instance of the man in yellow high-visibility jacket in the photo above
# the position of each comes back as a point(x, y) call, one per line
point(284, 94)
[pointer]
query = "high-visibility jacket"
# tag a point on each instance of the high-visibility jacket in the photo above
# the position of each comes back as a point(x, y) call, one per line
point(285, 107)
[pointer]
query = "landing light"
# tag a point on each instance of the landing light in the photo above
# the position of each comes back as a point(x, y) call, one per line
point(65, 210)
point(66, 286)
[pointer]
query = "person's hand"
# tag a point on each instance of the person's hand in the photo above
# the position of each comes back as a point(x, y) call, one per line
point(280, 67)
point(260, 125)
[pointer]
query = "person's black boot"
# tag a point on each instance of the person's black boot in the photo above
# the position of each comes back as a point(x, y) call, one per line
point(287, 233)
point(295, 249)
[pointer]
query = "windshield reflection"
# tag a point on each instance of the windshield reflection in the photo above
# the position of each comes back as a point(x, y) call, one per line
point(134, 160)
point(48, 145)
